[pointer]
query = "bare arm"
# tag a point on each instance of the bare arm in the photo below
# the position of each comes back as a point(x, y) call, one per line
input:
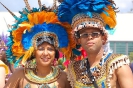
point(2, 77)
point(67, 83)
point(14, 79)
point(125, 76)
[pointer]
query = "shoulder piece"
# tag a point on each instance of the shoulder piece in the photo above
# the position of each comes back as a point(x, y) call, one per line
point(114, 62)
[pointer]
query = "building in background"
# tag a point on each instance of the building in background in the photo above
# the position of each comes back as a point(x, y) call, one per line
point(121, 40)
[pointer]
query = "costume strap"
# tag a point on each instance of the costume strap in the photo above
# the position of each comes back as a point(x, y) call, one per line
point(92, 78)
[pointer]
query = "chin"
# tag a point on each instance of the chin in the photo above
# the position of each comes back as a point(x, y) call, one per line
point(48, 63)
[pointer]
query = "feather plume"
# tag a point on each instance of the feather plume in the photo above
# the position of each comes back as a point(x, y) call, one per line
point(9, 11)
point(27, 5)
point(40, 5)
point(68, 9)
point(27, 55)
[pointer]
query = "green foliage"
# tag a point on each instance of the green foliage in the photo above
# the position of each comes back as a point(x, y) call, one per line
point(131, 56)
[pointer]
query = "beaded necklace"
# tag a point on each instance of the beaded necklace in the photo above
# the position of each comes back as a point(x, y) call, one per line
point(93, 72)
point(96, 70)
point(42, 82)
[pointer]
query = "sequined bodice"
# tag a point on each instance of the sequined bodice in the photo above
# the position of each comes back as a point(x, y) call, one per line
point(102, 72)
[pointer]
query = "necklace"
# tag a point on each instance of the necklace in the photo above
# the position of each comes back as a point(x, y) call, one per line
point(40, 86)
point(30, 75)
point(95, 72)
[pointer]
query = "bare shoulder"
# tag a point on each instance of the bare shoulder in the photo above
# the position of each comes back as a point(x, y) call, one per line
point(14, 79)
point(18, 72)
point(64, 79)
point(63, 75)
point(125, 76)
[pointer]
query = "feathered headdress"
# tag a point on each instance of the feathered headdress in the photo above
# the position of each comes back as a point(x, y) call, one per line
point(94, 13)
point(35, 24)
point(88, 13)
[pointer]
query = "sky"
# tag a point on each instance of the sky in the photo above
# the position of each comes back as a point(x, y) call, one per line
point(17, 5)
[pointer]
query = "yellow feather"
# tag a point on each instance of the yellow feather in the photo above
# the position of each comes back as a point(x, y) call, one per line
point(111, 19)
point(27, 55)
point(35, 17)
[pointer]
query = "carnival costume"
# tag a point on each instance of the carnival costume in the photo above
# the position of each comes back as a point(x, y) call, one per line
point(3, 47)
point(34, 24)
point(94, 14)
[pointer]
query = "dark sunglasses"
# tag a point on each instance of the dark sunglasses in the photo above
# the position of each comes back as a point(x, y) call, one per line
point(93, 35)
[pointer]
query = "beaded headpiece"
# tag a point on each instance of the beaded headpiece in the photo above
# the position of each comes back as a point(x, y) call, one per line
point(3, 42)
point(88, 13)
point(35, 26)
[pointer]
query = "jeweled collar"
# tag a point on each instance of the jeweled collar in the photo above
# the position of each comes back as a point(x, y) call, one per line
point(31, 76)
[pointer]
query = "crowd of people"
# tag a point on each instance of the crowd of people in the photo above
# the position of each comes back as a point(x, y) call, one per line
point(64, 46)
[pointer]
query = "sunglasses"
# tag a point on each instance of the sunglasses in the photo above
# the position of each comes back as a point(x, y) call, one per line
point(93, 35)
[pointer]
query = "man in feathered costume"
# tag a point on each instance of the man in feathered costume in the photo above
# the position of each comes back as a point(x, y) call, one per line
point(91, 21)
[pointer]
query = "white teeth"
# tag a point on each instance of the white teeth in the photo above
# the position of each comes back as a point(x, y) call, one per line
point(45, 59)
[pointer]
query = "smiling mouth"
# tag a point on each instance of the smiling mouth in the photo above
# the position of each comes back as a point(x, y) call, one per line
point(45, 59)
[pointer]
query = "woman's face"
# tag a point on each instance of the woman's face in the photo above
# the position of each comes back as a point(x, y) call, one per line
point(45, 54)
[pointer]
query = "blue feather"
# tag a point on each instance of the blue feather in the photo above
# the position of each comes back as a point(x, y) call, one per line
point(52, 28)
point(69, 8)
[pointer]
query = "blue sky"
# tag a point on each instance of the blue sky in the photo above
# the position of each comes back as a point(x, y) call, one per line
point(17, 5)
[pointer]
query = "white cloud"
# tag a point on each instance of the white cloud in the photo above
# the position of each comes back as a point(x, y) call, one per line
point(124, 5)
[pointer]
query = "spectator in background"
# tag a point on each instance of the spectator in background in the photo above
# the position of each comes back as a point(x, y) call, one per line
point(131, 66)
point(3, 58)
point(3, 67)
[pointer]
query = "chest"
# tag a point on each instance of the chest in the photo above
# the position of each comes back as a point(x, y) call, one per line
point(79, 77)
point(24, 83)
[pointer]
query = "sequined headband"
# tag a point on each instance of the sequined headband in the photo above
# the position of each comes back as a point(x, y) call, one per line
point(51, 38)
point(81, 21)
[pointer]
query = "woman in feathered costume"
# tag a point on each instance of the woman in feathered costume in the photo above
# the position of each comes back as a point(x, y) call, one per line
point(4, 70)
point(34, 43)
point(91, 21)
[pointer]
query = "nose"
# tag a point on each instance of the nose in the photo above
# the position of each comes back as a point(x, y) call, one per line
point(89, 36)
point(45, 52)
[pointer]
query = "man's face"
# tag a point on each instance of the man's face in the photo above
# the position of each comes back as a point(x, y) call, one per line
point(91, 39)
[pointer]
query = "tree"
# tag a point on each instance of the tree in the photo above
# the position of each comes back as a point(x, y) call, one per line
point(131, 56)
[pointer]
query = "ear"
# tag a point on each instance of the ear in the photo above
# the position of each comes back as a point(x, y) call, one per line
point(104, 39)
point(78, 42)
